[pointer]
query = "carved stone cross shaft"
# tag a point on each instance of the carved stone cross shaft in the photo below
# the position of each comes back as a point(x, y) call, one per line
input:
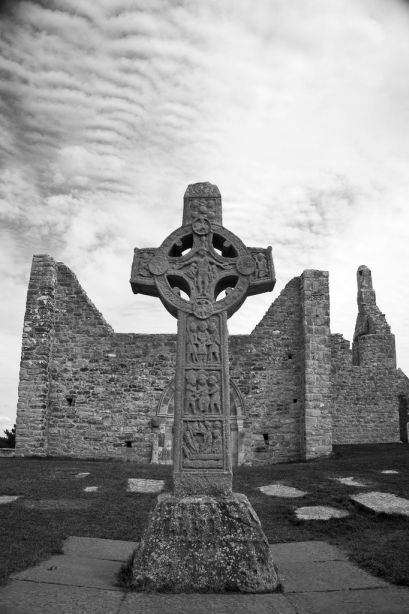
point(202, 273)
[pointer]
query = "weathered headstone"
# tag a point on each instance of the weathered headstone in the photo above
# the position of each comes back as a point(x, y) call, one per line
point(202, 537)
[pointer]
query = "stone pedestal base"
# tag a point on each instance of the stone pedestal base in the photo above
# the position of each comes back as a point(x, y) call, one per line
point(203, 544)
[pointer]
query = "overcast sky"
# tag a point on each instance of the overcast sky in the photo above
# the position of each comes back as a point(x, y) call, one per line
point(298, 111)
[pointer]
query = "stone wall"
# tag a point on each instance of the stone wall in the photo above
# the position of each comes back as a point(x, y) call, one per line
point(87, 391)
point(364, 399)
point(316, 424)
point(104, 387)
point(266, 367)
point(38, 334)
point(364, 381)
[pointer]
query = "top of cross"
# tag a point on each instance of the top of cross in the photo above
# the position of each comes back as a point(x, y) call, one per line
point(202, 261)
point(202, 200)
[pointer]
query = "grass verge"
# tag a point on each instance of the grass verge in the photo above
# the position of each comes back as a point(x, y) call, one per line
point(53, 505)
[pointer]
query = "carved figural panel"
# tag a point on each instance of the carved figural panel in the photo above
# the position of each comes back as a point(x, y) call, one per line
point(202, 445)
point(202, 393)
point(203, 341)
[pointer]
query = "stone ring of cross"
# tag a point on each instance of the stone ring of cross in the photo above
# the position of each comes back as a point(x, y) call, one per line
point(202, 268)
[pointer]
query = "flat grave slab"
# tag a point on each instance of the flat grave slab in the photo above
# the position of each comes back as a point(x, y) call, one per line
point(96, 548)
point(83, 474)
point(351, 481)
point(142, 485)
point(279, 490)
point(91, 488)
point(383, 502)
point(319, 512)
point(8, 499)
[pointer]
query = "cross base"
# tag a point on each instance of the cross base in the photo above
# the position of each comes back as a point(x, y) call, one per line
point(203, 544)
point(215, 484)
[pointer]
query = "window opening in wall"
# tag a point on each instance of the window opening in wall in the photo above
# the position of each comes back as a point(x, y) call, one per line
point(290, 356)
point(70, 401)
point(128, 444)
point(294, 400)
point(265, 436)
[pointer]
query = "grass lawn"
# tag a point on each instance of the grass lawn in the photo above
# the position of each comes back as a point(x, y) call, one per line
point(53, 505)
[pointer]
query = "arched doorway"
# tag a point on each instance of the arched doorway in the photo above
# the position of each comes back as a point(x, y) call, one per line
point(163, 426)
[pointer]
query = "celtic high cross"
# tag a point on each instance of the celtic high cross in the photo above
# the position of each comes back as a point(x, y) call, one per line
point(202, 273)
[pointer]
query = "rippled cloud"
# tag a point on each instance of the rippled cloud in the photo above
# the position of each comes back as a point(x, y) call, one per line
point(298, 111)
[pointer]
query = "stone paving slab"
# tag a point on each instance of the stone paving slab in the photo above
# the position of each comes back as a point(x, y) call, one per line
point(91, 488)
point(384, 502)
point(96, 548)
point(319, 512)
point(20, 597)
point(206, 604)
point(8, 499)
point(82, 474)
point(300, 552)
point(325, 576)
point(316, 577)
point(392, 600)
point(142, 485)
point(73, 571)
point(280, 490)
point(351, 481)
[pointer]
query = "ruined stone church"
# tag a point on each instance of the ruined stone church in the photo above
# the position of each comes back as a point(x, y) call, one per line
point(296, 389)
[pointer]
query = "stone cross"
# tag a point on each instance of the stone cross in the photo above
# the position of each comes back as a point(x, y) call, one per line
point(202, 273)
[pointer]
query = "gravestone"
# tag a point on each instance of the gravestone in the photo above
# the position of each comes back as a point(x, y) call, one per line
point(202, 537)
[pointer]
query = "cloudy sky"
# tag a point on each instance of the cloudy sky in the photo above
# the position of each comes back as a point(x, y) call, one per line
point(298, 111)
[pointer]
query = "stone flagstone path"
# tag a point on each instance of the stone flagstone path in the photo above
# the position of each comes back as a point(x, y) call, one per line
point(317, 578)
point(383, 502)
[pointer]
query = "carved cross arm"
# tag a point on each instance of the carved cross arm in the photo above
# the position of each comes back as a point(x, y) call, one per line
point(263, 278)
point(142, 279)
